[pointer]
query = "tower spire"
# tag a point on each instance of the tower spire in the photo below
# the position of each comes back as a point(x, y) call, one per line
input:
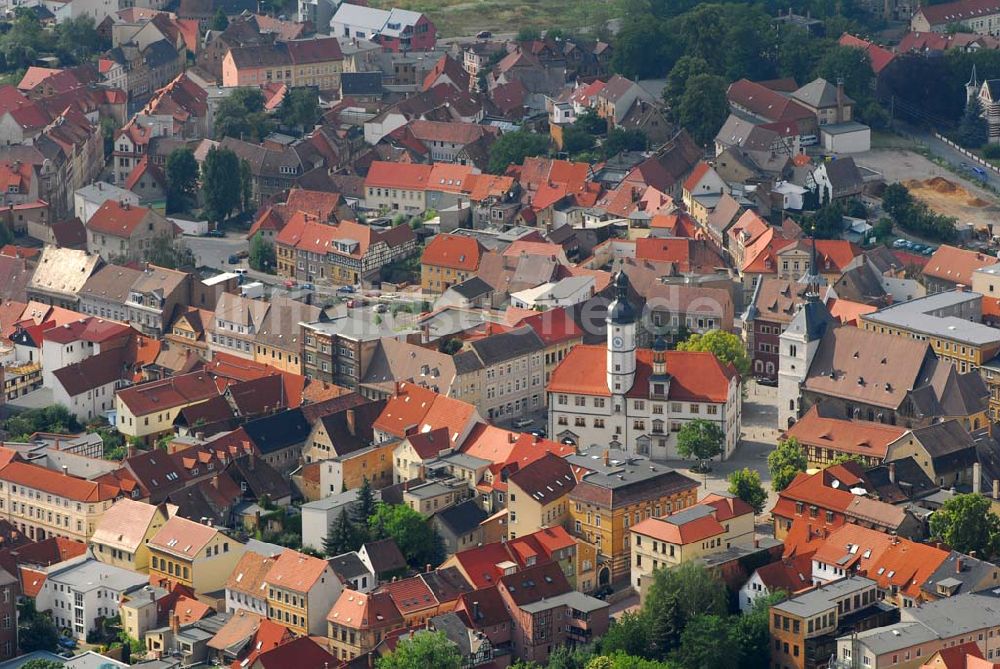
point(812, 279)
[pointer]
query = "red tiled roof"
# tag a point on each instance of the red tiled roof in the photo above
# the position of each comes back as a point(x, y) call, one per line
point(848, 436)
point(454, 251)
point(792, 574)
point(168, 393)
point(357, 610)
point(269, 635)
point(296, 571)
point(410, 595)
point(63, 485)
point(114, 218)
point(700, 170)
point(301, 652)
point(950, 263)
point(682, 534)
point(534, 583)
point(879, 56)
point(188, 610)
point(765, 103)
point(695, 376)
point(404, 176)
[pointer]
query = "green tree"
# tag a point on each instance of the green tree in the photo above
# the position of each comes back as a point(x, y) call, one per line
point(896, 199)
point(785, 462)
point(242, 115)
point(590, 122)
point(219, 21)
point(666, 626)
point(630, 634)
point(367, 503)
point(220, 184)
point(576, 141)
point(246, 186)
point(705, 644)
point(828, 222)
point(641, 50)
point(77, 39)
point(683, 70)
point(749, 632)
point(41, 664)
point(851, 65)
point(39, 634)
point(727, 347)
point(513, 147)
point(798, 53)
point(973, 131)
point(299, 109)
point(528, 34)
point(182, 179)
point(418, 541)
point(677, 595)
point(703, 107)
point(967, 523)
point(422, 651)
point(165, 251)
point(262, 255)
point(701, 439)
point(565, 657)
point(342, 536)
point(745, 483)
point(844, 457)
point(620, 139)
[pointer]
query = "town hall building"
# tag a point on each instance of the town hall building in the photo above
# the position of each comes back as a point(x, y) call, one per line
point(634, 399)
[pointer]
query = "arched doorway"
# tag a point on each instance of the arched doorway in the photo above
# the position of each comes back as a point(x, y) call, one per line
point(604, 576)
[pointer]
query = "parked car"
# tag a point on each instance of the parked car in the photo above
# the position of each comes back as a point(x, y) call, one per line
point(346, 289)
point(484, 34)
point(899, 243)
point(540, 433)
point(569, 441)
point(289, 283)
point(234, 259)
point(522, 422)
point(215, 233)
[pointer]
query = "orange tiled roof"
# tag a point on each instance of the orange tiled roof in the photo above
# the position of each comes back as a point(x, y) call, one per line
point(453, 251)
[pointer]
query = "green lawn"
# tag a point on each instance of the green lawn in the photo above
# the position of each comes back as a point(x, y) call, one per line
point(457, 18)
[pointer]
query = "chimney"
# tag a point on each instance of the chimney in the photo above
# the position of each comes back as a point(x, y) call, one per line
point(406, 485)
point(475, 611)
point(65, 470)
point(840, 99)
point(215, 481)
point(427, 568)
point(175, 624)
point(977, 478)
point(892, 472)
point(351, 426)
point(958, 565)
point(996, 488)
point(607, 457)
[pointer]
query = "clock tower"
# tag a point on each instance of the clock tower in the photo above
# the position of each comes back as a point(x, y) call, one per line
point(621, 325)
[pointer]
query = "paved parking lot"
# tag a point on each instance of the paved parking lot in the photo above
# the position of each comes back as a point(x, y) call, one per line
point(215, 251)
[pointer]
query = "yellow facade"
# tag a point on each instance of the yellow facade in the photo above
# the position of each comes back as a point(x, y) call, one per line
point(437, 279)
point(290, 608)
point(374, 464)
point(40, 515)
point(525, 514)
point(286, 359)
point(204, 572)
point(607, 529)
point(138, 613)
point(148, 426)
point(965, 356)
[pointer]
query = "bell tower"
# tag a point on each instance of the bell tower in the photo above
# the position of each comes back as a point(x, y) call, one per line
point(621, 327)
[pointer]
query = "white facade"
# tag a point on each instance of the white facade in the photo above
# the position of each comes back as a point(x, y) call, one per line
point(87, 200)
point(80, 591)
point(318, 516)
point(751, 591)
point(851, 137)
point(89, 404)
point(56, 356)
point(241, 601)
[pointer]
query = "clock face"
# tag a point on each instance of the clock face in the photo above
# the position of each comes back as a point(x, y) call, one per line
point(617, 342)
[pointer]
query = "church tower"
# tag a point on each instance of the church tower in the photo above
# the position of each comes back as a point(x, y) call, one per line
point(621, 326)
point(972, 87)
point(799, 343)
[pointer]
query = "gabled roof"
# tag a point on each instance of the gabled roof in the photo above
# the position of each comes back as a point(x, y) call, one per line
point(361, 611)
point(865, 438)
point(459, 252)
point(301, 652)
point(62, 485)
point(183, 537)
point(250, 574)
point(764, 102)
point(956, 265)
point(296, 571)
point(529, 585)
point(384, 556)
point(545, 480)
